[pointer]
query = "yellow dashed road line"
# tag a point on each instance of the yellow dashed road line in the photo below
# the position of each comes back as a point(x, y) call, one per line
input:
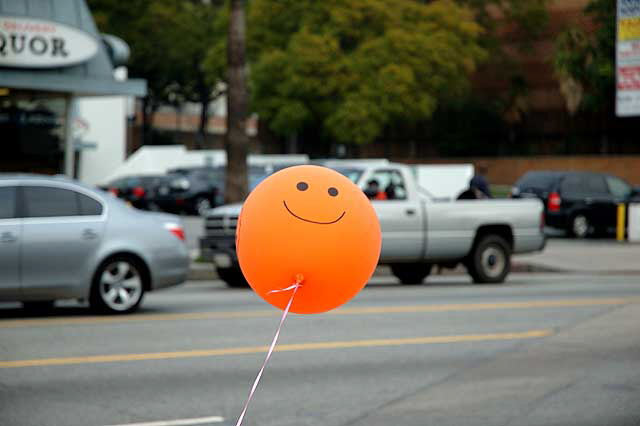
point(566, 303)
point(531, 334)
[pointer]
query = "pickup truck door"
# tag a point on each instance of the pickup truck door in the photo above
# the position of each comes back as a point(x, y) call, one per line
point(400, 215)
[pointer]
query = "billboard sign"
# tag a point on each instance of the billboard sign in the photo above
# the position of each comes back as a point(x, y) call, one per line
point(38, 43)
point(628, 58)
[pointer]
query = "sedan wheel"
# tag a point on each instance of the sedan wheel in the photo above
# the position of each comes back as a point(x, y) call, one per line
point(119, 286)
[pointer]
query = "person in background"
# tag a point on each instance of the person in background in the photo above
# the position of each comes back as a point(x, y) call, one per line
point(479, 183)
point(373, 192)
point(390, 191)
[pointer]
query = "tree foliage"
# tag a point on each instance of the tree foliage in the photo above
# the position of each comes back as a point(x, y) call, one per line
point(584, 61)
point(529, 17)
point(353, 68)
point(170, 41)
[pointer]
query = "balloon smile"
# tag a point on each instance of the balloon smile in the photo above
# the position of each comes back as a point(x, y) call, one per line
point(311, 221)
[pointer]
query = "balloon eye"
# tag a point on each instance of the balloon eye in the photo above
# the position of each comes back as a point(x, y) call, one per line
point(302, 186)
point(332, 191)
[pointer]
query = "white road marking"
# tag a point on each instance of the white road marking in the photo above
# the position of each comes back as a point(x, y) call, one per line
point(179, 422)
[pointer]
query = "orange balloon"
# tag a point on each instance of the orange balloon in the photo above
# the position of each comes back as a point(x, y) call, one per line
point(309, 222)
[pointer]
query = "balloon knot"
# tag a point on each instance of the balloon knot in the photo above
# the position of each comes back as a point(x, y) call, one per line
point(295, 286)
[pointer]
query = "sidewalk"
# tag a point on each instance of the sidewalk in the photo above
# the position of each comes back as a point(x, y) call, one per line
point(588, 256)
point(560, 255)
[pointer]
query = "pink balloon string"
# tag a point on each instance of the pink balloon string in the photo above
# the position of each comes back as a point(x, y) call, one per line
point(295, 288)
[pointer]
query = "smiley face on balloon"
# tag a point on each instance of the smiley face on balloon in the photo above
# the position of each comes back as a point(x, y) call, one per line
point(313, 222)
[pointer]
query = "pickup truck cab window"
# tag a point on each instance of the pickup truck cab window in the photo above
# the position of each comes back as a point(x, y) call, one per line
point(390, 185)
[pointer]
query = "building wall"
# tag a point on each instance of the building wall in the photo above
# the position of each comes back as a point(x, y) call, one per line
point(102, 122)
point(507, 170)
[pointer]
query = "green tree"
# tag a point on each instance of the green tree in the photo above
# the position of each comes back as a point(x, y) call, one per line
point(353, 68)
point(169, 40)
point(511, 28)
point(201, 27)
point(584, 62)
point(140, 26)
point(527, 19)
point(585, 59)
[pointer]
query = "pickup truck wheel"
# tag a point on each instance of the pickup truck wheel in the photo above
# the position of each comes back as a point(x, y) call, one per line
point(490, 260)
point(411, 273)
point(233, 277)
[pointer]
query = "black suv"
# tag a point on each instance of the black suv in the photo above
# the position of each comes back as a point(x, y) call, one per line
point(198, 189)
point(582, 203)
point(137, 190)
point(190, 190)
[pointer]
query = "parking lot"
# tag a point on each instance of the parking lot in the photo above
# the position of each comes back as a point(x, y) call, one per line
point(543, 349)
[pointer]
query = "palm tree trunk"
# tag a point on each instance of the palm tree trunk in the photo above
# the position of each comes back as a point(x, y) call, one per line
point(203, 124)
point(236, 141)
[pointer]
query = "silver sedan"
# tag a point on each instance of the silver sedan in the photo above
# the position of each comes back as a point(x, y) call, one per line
point(63, 240)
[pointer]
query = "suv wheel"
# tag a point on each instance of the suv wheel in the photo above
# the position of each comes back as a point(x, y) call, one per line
point(118, 286)
point(580, 226)
point(411, 273)
point(202, 205)
point(490, 260)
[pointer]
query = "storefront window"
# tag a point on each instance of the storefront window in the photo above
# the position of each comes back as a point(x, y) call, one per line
point(32, 132)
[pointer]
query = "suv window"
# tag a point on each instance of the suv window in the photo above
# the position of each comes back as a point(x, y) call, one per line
point(130, 182)
point(618, 187)
point(573, 183)
point(596, 184)
point(538, 180)
point(201, 175)
point(7, 202)
point(118, 183)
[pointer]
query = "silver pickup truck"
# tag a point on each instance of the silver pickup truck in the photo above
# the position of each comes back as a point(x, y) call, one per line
point(418, 231)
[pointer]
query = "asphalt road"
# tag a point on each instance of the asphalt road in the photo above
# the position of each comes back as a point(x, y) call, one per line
point(541, 350)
